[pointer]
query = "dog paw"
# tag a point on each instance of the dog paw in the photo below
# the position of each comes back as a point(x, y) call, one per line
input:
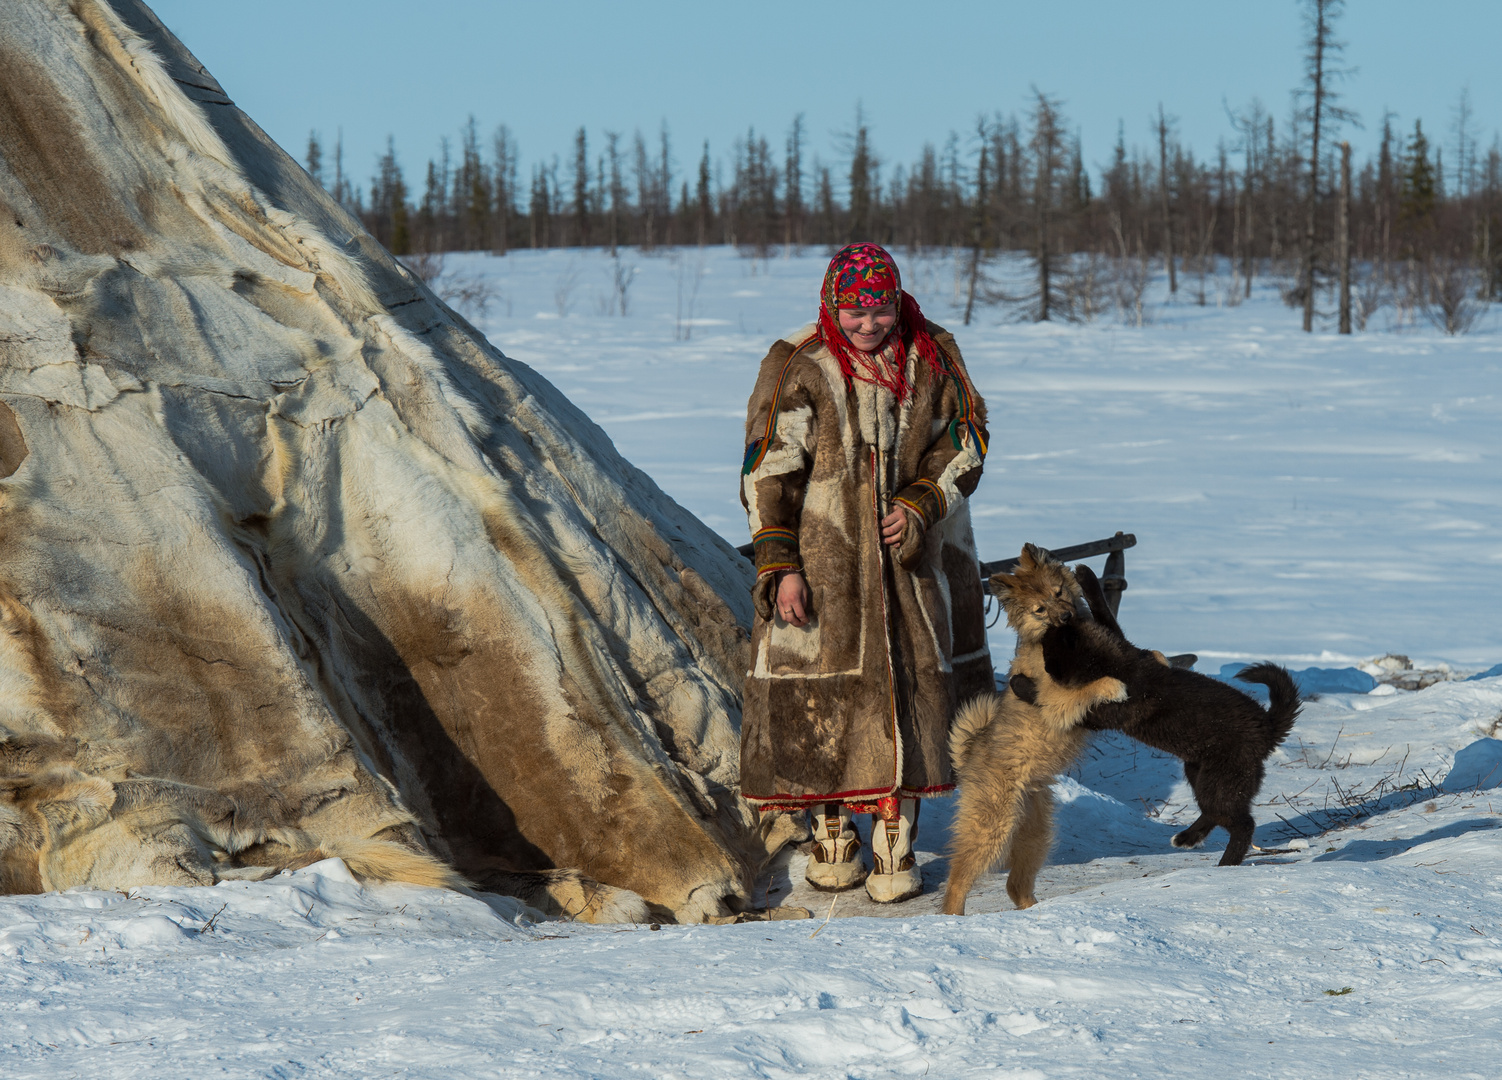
point(1184, 840)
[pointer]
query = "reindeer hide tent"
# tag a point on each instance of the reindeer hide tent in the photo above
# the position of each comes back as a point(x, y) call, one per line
point(293, 562)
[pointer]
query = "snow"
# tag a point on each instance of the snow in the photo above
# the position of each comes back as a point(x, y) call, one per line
point(1311, 499)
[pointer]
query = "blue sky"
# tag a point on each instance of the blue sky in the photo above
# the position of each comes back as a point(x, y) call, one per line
point(710, 71)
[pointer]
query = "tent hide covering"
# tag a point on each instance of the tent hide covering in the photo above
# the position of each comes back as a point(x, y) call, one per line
point(293, 563)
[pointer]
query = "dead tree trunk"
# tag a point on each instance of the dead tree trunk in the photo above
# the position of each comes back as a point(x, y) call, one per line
point(1343, 238)
point(1323, 48)
point(978, 225)
point(1173, 280)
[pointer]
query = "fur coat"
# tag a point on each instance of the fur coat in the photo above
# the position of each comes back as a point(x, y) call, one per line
point(856, 704)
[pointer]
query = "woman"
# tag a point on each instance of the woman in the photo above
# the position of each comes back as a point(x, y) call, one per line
point(865, 437)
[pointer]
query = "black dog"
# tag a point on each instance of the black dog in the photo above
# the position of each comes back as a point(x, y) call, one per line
point(1222, 735)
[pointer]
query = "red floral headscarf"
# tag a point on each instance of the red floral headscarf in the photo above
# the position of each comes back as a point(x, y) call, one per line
point(866, 275)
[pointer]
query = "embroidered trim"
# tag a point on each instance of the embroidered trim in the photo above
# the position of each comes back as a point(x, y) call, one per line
point(772, 568)
point(774, 533)
point(804, 800)
point(967, 409)
point(751, 452)
point(757, 451)
point(915, 508)
point(936, 491)
point(801, 802)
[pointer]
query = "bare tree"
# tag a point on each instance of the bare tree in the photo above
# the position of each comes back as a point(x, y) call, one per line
point(662, 185)
point(1249, 124)
point(1465, 144)
point(1448, 293)
point(1344, 238)
point(862, 169)
point(646, 196)
point(1162, 129)
point(792, 184)
point(617, 188)
point(1047, 148)
point(505, 161)
point(978, 223)
point(1322, 51)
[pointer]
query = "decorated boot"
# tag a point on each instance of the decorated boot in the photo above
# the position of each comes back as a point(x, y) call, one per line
point(835, 865)
point(895, 876)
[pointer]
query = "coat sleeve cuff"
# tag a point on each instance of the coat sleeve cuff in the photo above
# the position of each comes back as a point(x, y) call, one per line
point(926, 499)
point(776, 549)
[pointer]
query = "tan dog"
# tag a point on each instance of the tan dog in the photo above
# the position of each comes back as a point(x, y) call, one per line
point(1006, 752)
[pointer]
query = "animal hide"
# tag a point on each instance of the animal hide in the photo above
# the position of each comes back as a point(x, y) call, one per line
point(292, 560)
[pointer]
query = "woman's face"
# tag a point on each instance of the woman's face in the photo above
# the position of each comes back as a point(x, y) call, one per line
point(868, 327)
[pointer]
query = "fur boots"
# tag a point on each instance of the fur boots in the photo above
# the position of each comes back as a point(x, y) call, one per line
point(834, 864)
point(896, 876)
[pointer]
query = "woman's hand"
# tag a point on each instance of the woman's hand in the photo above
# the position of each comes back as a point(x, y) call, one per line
point(792, 598)
point(893, 526)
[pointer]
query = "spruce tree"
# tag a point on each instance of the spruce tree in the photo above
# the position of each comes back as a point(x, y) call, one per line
point(704, 198)
point(1416, 202)
point(860, 182)
point(315, 158)
point(581, 189)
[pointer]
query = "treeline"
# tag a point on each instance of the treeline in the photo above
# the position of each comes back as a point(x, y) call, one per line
point(1404, 228)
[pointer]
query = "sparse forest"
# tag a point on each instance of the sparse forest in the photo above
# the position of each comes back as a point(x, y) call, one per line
point(1414, 228)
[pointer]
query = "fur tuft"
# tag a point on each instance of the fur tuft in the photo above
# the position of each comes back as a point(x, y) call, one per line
point(381, 860)
point(138, 59)
point(972, 718)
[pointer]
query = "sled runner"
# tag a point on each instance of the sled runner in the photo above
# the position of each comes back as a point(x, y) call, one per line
point(1113, 580)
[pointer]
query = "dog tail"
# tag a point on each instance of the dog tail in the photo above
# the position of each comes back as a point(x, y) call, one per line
point(1283, 709)
point(381, 860)
point(973, 718)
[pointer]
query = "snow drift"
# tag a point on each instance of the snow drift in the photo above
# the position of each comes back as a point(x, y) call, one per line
point(292, 562)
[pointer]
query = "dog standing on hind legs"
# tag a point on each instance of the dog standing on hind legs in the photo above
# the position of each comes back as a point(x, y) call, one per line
point(1006, 752)
point(1006, 758)
point(1222, 735)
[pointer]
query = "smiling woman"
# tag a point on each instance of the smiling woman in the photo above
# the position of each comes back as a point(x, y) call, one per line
point(864, 438)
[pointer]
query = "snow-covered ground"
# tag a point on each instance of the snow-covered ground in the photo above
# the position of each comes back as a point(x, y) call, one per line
point(1310, 499)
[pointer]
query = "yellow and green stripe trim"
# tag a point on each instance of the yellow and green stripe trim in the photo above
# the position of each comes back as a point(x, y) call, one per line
point(966, 419)
point(759, 446)
point(774, 533)
point(930, 487)
point(773, 568)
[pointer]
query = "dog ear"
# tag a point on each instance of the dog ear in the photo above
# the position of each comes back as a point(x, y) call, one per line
point(1002, 585)
point(1030, 558)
